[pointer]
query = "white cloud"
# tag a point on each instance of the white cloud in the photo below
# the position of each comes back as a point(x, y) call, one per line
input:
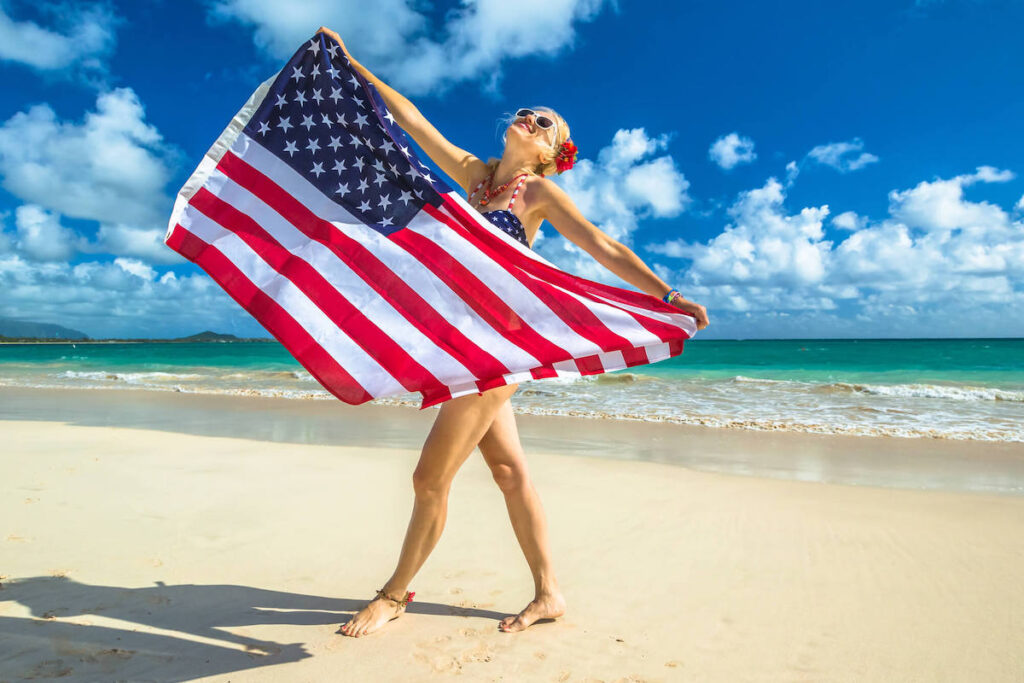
point(848, 220)
point(397, 41)
point(78, 45)
point(128, 240)
point(112, 167)
point(41, 237)
point(792, 171)
point(936, 252)
point(731, 150)
point(123, 298)
point(614, 192)
point(940, 204)
point(762, 247)
point(987, 174)
point(843, 156)
point(137, 268)
point(1020, 203)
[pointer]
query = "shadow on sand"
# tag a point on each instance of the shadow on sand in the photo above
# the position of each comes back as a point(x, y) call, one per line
point(184, 629)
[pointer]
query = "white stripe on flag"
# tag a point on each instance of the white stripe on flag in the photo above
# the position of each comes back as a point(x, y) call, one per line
point(686, 322)
point(613, 318)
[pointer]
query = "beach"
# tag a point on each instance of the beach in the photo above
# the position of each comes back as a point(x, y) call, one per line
point(168, 537)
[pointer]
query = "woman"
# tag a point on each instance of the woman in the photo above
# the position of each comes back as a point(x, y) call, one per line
point(536, 144)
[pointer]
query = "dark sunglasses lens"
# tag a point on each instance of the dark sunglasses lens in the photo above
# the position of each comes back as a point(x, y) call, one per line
point(524, 112)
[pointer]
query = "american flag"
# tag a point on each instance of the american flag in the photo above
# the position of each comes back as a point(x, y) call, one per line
point(315, 214)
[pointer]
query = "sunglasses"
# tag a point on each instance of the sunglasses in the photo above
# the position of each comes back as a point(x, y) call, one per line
point(541, 120)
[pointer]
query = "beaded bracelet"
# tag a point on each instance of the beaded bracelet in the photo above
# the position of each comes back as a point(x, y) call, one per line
point(672, 293)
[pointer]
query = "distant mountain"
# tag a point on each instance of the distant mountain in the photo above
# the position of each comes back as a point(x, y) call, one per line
point(209, 336)
point(22, 329)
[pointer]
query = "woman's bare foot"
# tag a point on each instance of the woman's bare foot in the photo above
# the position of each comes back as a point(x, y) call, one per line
point(380, 611)
point(544, 606)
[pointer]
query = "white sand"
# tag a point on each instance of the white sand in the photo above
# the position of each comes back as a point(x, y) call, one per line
point(129, 554)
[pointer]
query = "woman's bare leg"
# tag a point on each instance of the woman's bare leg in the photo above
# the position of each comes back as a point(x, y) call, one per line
point(458, 428)
point(503, 452)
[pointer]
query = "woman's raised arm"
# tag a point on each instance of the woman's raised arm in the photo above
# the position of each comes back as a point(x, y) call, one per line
point(457, 163)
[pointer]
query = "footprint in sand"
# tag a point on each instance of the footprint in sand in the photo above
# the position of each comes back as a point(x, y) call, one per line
point(808, 657)
point(439, 663)
point(448, 654)
point(91, 656)
point(482, 652)
point(51, 668)
point(112, 653)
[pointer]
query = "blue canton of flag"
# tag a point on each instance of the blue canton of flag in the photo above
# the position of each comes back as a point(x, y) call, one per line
point(318, 119)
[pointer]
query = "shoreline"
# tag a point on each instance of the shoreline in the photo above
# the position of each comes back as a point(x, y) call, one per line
point(888, 462)
point(747, 425)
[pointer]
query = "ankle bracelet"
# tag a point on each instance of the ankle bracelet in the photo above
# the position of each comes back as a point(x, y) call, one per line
point(403, 602)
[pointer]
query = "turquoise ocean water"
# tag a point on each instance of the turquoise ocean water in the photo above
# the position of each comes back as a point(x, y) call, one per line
point(959, 389)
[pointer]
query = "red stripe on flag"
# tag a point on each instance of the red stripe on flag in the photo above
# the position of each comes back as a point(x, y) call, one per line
point(365, 263)
point(590, 365)
point(375, 342)
point(635, 356)
point(478, 296)
point(573, 312)
point(587, 288)
point(271, 315)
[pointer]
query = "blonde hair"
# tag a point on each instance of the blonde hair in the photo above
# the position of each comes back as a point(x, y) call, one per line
point(547, 165)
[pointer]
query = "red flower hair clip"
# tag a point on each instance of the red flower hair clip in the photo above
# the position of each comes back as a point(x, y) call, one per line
point(566, 158)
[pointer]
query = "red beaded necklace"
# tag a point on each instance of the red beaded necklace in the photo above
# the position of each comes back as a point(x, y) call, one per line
point(490, 194)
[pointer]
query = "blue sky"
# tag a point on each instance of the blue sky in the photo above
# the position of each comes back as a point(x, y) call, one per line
point(804, 169)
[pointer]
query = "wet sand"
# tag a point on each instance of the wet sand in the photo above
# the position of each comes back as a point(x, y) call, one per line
point(930, 464)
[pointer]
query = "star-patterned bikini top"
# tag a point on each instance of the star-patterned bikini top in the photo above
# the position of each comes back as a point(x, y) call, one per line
point(504, 219)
